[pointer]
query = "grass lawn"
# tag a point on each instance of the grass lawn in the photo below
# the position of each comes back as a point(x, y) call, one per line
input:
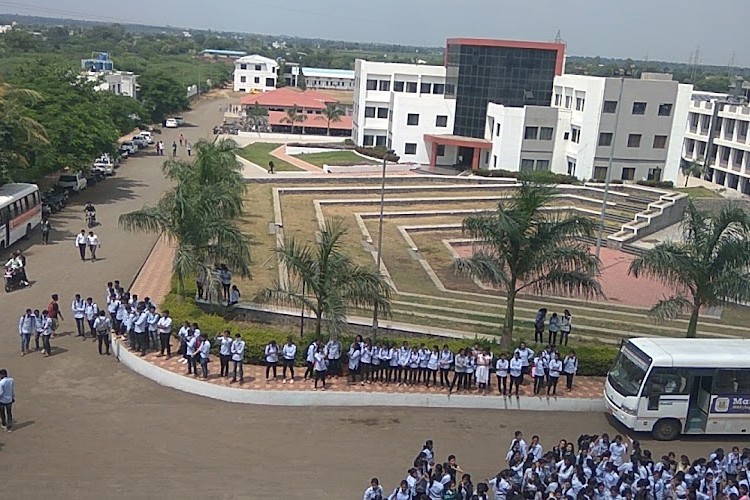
point(699, 192)
point(336, 158)
point(259, 153)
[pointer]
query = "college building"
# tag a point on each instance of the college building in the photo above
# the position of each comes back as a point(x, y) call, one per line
point(255, 73)
point(499, 104)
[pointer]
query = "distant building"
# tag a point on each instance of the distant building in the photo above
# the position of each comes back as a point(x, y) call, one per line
point(223, 54)
point(4, 28)
point(255, 73)
point(100, 70)
point(326, 79)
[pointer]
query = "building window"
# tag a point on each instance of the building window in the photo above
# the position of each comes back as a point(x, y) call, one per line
point(382, 112)
point(369, 140)
point(531, 133)
point(600, 173)
point(411, 87)
point(438, 88)
point(634, 140)
point(639, 108)
point(384, 85)
point(398, 86)
point(243, 79)
point(372, 84)
point(497, 130)
point(270, 82)
point(605, 138)
point(380, 140)
point(441, 150)
point(571, 168)
point(609, 107)
point(425, 88)
point(705, 122)
point(566, 136)
point(410, 148)
point(256, 79)
point(742, 130)
point(494, 161)
point(412, 119)
point(527, 165)
point(665, 109)
point(628, 174)
point(739, 155)
point(580, 103)
point(660, 141)
point(568, 101)
point(545, 133)
point(243, 66)
point(558, 99)
point(369, 112)
point(654, 174)
point(542, 165)
point(257, 67)
point(575, 135)
point(441, 121)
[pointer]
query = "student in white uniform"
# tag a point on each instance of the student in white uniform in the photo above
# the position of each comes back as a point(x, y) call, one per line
point(555, 368)
point(471, 364)
point(79, 314)
point(238, 356)
point(91, 311)
point(333, 348)
point(566, 323)
point(320, 366)
point(483, 360)
point(310, 360)
point(459, 374)
point(102, 327)
point(393, 367)
point(385, 363)
point(225, 352)
point(354, 356)
point(164, 327)
point(402, 492)
point(375, 491)
point(272, 359)
point(526, 355)
point(404, 355)
point(365, 361)
point(432, 366)
point(539, 369)
point(413, 366)
point(424, 356)
point(289, 352)
point(203, 352)
point(501, 371)
point(445, 363)
point(515, 369)
point(375, 363)
point(570, 368)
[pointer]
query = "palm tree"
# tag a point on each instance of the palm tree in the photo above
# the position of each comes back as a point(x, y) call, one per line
point(332, 281)
point(18, 130)
point(198, 214)
point(293, 116)
point(708, 268)
point(526, 245)
point(691, 169)
point(333, 114)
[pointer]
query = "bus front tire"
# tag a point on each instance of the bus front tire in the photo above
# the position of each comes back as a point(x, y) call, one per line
point(666, 429)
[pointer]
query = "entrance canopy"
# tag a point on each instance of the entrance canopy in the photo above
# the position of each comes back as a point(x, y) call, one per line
point(474, 145)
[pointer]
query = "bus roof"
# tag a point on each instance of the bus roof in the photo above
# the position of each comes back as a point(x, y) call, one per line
point(14, 190)
point(696, 353)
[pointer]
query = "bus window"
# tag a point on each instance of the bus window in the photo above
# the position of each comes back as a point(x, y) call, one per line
point(666, 381)
point(732, 382)
point(26, 203)
point(629, 371)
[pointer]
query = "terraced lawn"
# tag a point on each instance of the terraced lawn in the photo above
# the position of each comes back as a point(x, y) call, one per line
point(336, 158)
point(259, 153)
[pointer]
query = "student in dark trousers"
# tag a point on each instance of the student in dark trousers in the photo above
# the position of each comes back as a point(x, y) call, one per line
point(570, 367)
point(271, 167)
point(53, 311)
point(102, 327)
point(553, 327)
point(272, 359)
point(81, 242)
point(225, 352)
point(238, 354)
point(7, 398)
point(566, 322)
point(46, 228)
point(541, 315)
point(289, 352)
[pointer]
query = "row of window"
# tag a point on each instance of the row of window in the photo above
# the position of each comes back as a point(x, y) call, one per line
point(639, 108)
point(412, 119)
point(270, 82)
point(580, 102)
point(626, 174)
point(19, 207)
point(530, 165)
point(408, 87)
point(373, 140)
point(257, 67)
point(535, 133)
point(634, 140)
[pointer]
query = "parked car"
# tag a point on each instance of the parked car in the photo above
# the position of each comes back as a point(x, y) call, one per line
point(180, 121)
point(104, 165)
point(171, 123)
point(75, 182)
point(132, 146)
point(91, 178)
point(147, 135)
point(124, 152)
point(140, 141)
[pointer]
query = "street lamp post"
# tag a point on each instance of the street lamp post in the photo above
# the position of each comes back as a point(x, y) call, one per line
point(608, 176)
point(379, 257)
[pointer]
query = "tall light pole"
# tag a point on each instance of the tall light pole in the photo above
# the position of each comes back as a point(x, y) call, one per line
point(608, 176)
point(379, 257)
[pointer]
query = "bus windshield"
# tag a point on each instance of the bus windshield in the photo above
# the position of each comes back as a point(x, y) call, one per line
point(629, 370)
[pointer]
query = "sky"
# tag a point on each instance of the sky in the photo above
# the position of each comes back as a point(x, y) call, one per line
point(663, 30)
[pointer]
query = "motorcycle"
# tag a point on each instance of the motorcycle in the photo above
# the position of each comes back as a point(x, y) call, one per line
point(13, 279)
point(91, 219)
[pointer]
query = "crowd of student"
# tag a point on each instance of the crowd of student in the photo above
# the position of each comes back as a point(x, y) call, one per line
point(592, 468)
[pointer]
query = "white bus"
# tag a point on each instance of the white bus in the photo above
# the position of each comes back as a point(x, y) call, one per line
point(670, 386)
point(20, 212)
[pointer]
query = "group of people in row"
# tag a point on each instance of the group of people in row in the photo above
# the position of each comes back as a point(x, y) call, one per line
point(387, 363)
point(592, 468)
point(561, 324)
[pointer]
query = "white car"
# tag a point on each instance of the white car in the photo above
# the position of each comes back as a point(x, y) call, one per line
point(75, 181)
point(147, 136)
point(171, 123)
point(104, 165)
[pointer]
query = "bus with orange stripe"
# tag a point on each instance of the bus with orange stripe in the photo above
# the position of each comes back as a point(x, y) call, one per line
point(20, 212)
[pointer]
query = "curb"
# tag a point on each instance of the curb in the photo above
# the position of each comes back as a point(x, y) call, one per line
point(348, 399)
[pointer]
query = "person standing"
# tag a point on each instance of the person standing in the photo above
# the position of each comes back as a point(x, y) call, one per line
point(333, 348)
point(515, 368)
point(53, 311)
point(46, 228)
point(289, 352)
point(189, 149)
point(37, 328)
point(566, 322)
point(272, 359)
point(541, 315)
point(203, 353)
point(225, 352)
point(539, 367)
point(555, 367)
point(153, 321)
point(446, 360)
point(113, 305)
point(320, 367)
point(174, 149)
point(501, 371)
point(48, 328)
point(92, 241)
point(238, 354)
point(102, 327)
point(91, 312)
point(271, 167)
point(526, 355)
point(7, 398)
point(226, 281)
point(79, 315)
point(26, 327)
point(483, 361)
point(141, 330)
point(81, 242)
point(570, 368)
point(310, 360)
point(164, 327)
point(190, 354)
point(553, 327)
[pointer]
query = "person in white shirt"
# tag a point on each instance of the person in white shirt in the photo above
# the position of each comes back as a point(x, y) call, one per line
point(152, 320)
point(238, 355)
point(320, 366)
point(375, 491)
point(225, 352)
point(140, 327)
point(7, 398)
point(432, 366)
point(289, 352)
point(102, 326)
point(501, 485)
point(354, 356)
point(566, 322)
point(570, 368)
point(310, 360)
point(424, 356)
point(459, 373)
point(26, 328)
point(81, 242)
point(404, 355)
point(515, 368)
point(483, 360)
point(190, 355)
point(539, 368)
point(446, 360)
point(203, 353)
point(535, 448)
point(79, 314)
point(618, 449)
point(333, 349)
point(402, 492)
point(365, 361)
point(164, 327)
point(271, 353)
point(501, 371)
point(375, 363)
point(555, 368)
point(91, 312)
point(392, 364)
point(526, 355)
point(47, 331)
point(92, 241)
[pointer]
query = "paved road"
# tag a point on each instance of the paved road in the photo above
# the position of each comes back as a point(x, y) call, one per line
point(89, 428)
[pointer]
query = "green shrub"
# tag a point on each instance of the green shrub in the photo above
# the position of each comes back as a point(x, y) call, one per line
point(541, 176)
point(593, 360)
point(657, 184)
point(378, 152)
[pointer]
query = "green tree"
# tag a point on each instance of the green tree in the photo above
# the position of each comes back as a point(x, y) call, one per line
point(125, 112)
point(333, 114)
point(293, 115)
point(301, 80)
point(708, 267)
point(527, 246)
point(198, 214)
point(19, 131)
point(331, 281)
point(691, 169)
point(161, 95)
point(257, 116)
point(281, 79)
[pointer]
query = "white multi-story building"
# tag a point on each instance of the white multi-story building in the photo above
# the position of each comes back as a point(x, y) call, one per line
point(255, 73)
point(325, 79)
point(587, 123)
point(118, 82)
point(717, 138)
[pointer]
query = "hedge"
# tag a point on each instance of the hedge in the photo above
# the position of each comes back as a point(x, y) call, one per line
point(542, 176)
point(593, 360)
point(378, 152)
point(657, 184)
